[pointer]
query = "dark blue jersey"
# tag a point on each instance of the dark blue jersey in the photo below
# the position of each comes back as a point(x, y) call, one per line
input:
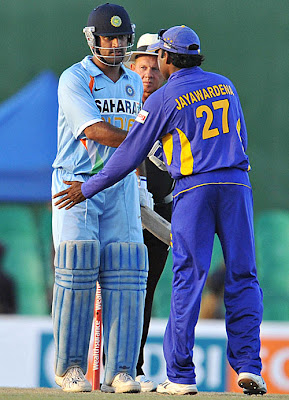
point(205, 127)
point(199, 119)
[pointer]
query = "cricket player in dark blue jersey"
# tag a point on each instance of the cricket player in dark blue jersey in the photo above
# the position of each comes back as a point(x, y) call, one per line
point(198, 117)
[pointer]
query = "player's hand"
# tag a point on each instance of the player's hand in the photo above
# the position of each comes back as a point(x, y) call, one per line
point(71, 196)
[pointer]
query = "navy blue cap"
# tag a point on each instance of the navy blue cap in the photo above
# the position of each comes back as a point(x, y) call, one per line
point(178, 39)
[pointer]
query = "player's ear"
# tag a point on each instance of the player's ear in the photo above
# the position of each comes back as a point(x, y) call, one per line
point(167, 56)
point(132, 66)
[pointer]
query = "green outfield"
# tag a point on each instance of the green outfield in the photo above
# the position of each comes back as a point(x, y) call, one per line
point(44, 393)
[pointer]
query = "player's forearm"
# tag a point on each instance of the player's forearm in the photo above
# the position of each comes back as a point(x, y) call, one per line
point(121, 163)
point(105, 134)
point(103, 179)
point(126, 158)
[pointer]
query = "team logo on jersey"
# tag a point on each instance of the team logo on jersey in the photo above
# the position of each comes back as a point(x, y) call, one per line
point(142, 116)
point(116, 21)
point(129, 90)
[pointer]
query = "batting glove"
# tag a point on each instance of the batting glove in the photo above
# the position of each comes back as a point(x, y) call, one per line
point(145, 197)
point(156, 155)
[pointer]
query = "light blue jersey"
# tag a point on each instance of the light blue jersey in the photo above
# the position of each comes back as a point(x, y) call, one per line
point(86, 96)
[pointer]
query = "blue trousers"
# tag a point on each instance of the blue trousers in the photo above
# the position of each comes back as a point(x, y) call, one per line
point(198, 213)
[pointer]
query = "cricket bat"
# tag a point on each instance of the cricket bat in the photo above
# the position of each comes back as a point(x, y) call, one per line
point(97, 340)
point(160, 228)
point(156, 224)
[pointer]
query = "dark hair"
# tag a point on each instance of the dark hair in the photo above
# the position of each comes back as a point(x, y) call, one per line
point(185, 60)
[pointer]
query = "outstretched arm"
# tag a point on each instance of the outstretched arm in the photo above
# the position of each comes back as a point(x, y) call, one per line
point(123, 161)
point(127, 157)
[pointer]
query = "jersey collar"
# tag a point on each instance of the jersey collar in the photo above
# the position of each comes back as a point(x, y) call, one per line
point(93, 70)
point(184, 71)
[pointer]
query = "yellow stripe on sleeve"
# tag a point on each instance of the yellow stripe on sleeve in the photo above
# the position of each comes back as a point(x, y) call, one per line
point(168, 147)
point(187, 160)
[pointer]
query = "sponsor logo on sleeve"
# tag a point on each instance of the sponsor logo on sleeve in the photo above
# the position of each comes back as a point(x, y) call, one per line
point(142, 116)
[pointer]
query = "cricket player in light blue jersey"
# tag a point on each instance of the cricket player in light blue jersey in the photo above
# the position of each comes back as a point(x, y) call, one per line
point(198, 117)
point(100, 239)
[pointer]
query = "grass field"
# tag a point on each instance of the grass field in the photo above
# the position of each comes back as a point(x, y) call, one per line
point(51, 394)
